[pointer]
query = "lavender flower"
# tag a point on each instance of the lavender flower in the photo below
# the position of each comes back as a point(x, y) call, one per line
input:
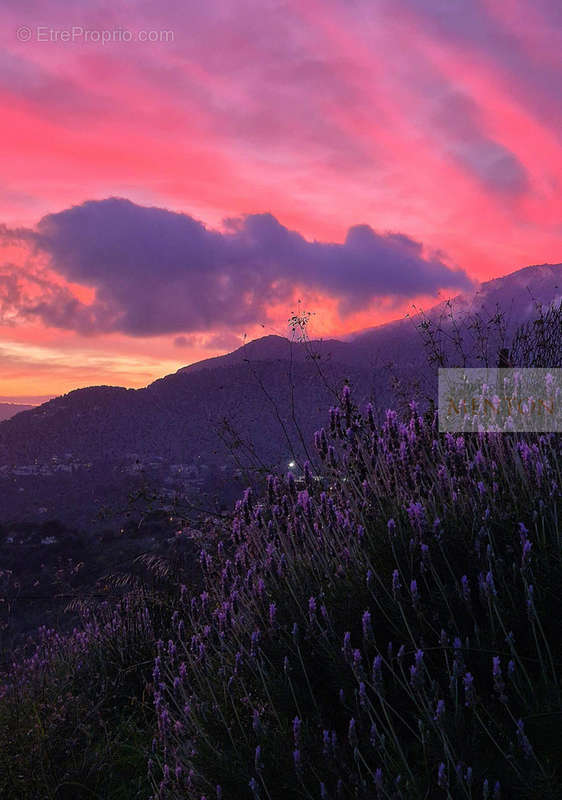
point(469, 693)
point(416, 513)
point(297, 758)
point(367, 626)
point(297, 724)
point(312, 610)
point(346, 649)
point(416, 670)
point(499, 684)
point(362, 695)
point(377, 672)
point(522, 739)
point(352, 733)
point(272, 614)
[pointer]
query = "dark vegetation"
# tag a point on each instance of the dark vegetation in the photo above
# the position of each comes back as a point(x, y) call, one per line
point(382, 622)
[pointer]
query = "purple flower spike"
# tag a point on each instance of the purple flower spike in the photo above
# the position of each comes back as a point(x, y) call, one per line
point(499, 684)
point(524, 742)
point(297, 731)
point(297, 758)
point(346, 649)
point(272, 613)
point(469, 693)
point(377, 672)
point(362, 695)
point(367, 626)
point(352, 733)
point(312, 609)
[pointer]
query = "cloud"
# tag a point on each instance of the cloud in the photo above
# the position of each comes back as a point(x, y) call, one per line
point(458, 117)
point(477, 29)
point(158, 272)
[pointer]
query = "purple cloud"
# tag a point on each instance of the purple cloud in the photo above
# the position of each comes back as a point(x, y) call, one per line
point(156, 271)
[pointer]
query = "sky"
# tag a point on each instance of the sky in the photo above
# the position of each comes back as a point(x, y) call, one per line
point(178, 178)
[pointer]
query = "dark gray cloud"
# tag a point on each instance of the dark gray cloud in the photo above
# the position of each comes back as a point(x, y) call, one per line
point(155, 271)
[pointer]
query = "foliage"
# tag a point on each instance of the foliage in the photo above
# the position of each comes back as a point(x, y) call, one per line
point(387, 625)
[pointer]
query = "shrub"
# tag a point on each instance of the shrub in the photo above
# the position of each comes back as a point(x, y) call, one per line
point(75, 720)
point(386, 625)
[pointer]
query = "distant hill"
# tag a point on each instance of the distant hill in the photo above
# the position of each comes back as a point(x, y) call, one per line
point(8, 410)
point(258, 405)
point(516, 294)
point(278, 348)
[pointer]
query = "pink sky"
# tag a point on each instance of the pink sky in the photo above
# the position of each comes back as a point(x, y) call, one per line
point(436, 120)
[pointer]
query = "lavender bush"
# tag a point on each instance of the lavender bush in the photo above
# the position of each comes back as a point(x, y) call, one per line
point(75, 717)
point(384, 625)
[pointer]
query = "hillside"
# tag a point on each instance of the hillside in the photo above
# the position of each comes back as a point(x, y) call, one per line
point(254, 407)
point(9, 410)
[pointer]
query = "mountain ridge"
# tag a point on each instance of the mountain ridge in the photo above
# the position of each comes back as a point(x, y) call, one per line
point(255, 407)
